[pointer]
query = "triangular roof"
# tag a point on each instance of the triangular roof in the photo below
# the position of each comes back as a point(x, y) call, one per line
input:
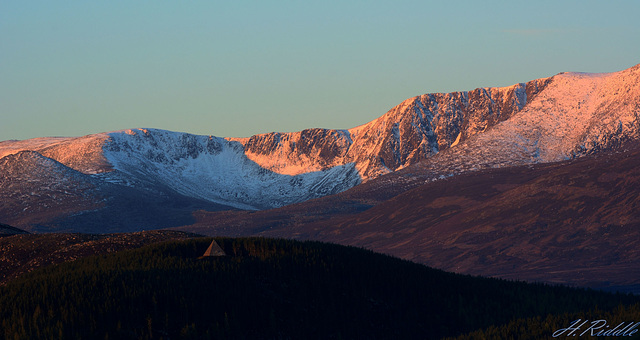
point(214, 250)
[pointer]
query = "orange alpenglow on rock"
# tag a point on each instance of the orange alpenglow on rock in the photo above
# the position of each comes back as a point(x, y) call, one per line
point(214, 250)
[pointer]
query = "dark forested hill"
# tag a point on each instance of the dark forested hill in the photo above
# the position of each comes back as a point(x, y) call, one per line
point(23, 252)
point(269, 289)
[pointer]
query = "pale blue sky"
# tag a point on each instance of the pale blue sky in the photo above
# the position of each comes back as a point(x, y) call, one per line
point(237, 68)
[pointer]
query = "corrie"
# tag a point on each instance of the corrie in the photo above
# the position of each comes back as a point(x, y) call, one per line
point(597, 328)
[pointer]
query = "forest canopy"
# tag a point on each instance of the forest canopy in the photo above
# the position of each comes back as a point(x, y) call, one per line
point(268, 289)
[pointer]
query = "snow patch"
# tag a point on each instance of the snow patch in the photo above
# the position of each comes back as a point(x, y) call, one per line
point(457, 140)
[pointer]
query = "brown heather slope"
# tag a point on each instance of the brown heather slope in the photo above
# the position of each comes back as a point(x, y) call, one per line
point(574, 222)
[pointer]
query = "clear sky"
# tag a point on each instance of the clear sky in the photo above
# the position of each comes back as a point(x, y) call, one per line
point(238, 68)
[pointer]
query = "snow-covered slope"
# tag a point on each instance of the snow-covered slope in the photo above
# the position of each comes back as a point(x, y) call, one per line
point(203, 167)
point(576, 114)
point(213, 169)
point(32, 185)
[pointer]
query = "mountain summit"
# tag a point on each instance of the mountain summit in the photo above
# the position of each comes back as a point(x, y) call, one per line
point(148, 178)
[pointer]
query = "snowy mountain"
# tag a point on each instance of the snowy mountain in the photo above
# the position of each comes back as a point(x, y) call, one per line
point(170, 174)
point(413, 131)
point(576, 114)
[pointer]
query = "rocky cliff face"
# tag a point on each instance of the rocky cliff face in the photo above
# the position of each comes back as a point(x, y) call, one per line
point(413, 131)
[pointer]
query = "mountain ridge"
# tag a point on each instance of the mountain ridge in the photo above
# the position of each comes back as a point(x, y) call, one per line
point(412, 131)
point(439, 135)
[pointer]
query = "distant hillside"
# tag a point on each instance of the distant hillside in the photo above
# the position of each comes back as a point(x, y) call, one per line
point(269, 289)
